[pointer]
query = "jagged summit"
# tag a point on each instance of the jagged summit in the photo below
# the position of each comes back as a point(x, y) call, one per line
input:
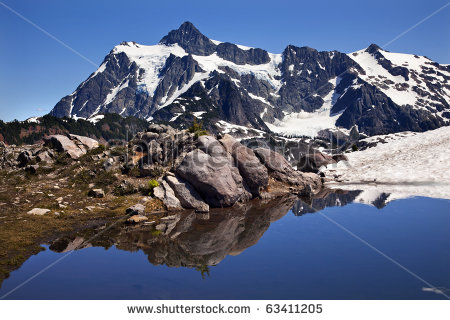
point(301, 91)
point(373, 48)
point(190, 39)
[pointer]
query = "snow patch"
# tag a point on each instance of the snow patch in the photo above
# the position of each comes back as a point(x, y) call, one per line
point(409, 165)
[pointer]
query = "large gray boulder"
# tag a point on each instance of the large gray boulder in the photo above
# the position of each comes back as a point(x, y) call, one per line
point(250, 167)
point(214, 178)
point(75, 146)
point(188, 196)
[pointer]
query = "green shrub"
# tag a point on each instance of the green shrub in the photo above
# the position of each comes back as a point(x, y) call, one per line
point(152, 184)
point(197, 129)
point(355, 147)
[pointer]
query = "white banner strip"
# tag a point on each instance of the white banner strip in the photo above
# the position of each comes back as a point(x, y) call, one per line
point(224, 309)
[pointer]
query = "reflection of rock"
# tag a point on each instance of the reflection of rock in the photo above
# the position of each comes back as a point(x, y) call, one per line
point(325, 198)
point(186, 239)
point(66, 245)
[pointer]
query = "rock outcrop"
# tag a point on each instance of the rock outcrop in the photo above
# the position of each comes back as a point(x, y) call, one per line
point(251, 169)
point(188, 196)
point(213, 178)
point(202, 172)
point(75, 146)
point(280, 169)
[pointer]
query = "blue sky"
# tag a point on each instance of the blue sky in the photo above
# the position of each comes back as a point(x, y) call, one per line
point(37, 71)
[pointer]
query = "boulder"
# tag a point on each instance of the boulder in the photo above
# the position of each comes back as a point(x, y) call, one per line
point(44, 155)
point(85, 142)
point(212, 177)
point(24, 158)
point(165, 193)
point(250, 167)
point(161, 227)
point(137, 219)
point(280, 169)
point(156, 128)
point(170, 200)
point(339, 157)
point(74, 145)
point(188, 196)
point(210, 145)
point(137, 209)
point(31, 168)
point(96, 193)
point(312, 162)
point(63, 144)
point(38, 211)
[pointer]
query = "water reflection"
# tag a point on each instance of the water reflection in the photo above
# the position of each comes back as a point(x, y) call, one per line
point(191, 240)
point(198, 241)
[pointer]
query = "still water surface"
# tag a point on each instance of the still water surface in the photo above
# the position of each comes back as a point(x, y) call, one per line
point(273, 251)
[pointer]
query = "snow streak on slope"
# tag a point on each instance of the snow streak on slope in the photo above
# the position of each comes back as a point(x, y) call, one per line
point(266, 72)
point(151, 59)
point(309, 123)
point(400, 90)
point(415, 165)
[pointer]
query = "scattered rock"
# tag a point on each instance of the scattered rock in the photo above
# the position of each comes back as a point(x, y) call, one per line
point(44, 155)
point(31, 168)
point(137, 209)
point(38, 211)
point(161, 227)
point(137, 219)
point(96, 193)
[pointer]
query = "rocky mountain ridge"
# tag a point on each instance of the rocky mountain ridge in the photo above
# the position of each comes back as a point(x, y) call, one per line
point(298, 92)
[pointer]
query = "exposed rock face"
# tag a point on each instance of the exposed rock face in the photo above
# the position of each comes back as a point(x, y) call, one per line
point(190, 39)
point(188, 196)
point(209, 172)
point(74, 145)
point(212, 177)
point(251, 169)
point(165, 193)
point(280, 169)
point(402, 93)
point(312, 162)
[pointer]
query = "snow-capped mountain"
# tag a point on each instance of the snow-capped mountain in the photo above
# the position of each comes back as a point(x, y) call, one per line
point(298, 92)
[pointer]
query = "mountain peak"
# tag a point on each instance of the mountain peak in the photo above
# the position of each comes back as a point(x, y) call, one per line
point(190, 39)
point(373, 48)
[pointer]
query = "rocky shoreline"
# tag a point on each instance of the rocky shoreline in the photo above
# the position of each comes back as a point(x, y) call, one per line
point(190, 171)
point(70, 182)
